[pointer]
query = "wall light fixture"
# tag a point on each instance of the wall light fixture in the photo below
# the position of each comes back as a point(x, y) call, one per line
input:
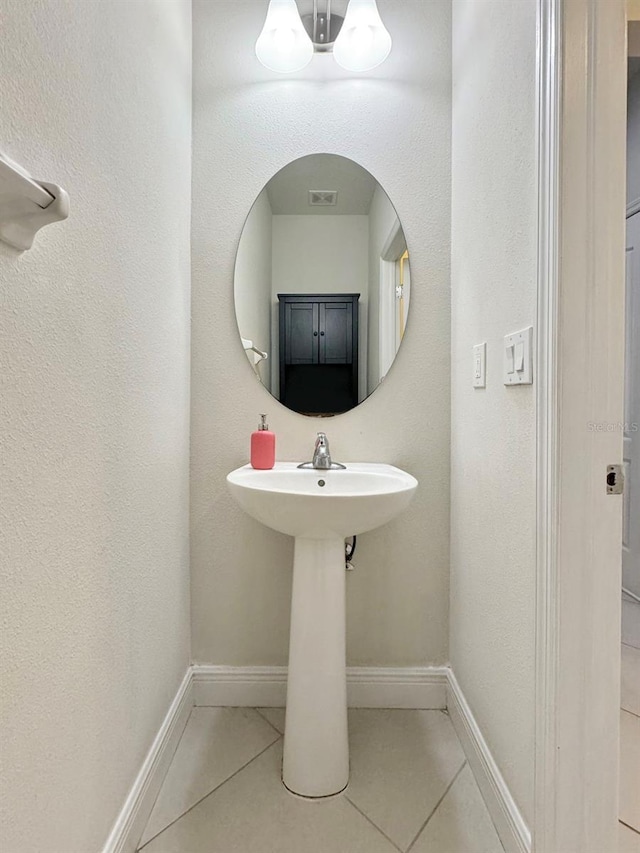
point(359, 41)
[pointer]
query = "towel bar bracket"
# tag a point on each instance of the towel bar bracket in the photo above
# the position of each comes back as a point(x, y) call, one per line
point(27, 205)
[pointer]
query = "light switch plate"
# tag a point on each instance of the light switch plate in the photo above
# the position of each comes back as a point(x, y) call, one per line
point(518, 357)
point(480, 366)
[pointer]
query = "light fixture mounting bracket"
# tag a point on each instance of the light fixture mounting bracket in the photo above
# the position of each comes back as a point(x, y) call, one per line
point(323, 27)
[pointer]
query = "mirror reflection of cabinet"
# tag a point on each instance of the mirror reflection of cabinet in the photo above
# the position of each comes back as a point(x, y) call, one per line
point(319, 352)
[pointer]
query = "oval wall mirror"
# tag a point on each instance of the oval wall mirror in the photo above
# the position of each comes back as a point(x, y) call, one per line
point(322, 285)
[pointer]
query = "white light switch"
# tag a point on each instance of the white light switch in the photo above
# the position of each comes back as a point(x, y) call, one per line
point(518, 358)
point(509, 359)
point(479, 366)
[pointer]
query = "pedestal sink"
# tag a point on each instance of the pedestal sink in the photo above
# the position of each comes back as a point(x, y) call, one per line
point(319, 508)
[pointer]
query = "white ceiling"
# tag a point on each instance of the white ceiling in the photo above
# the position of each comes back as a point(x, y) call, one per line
point(288, 191)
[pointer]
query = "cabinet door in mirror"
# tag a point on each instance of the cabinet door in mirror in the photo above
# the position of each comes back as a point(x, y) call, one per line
point(322, 285)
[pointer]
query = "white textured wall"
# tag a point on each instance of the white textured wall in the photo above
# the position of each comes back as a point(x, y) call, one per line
point(94, 350)
point(493, 275)
point(249, 123)
point(322, 254)
point(252, 282)
point(633, 138)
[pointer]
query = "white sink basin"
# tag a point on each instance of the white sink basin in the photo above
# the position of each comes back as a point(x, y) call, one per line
point(322, 504)
point(319, 508)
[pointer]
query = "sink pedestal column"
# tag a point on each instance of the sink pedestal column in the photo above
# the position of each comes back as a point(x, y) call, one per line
point(316, 746)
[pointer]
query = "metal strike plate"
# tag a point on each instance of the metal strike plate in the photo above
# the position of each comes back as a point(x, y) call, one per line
point(615, 480)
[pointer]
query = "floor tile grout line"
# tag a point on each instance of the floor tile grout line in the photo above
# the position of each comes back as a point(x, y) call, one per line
point(628, 826)
point(437, 806)
point(627, 711)
point(213, 791)
point(374, 825)
point(257, 710)
point(631, 713)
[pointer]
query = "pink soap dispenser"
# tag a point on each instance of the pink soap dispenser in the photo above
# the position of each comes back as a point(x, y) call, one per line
point(263, 446)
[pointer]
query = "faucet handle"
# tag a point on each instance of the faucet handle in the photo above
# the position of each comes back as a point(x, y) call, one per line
point(321, 440)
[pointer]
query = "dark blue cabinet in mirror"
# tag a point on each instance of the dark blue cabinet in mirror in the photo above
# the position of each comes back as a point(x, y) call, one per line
point(318, 352)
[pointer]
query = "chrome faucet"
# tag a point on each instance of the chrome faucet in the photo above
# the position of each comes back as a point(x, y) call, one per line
point(322, 456)
point(321, 453)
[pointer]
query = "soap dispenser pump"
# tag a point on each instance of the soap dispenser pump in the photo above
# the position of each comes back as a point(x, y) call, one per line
point(263, 446)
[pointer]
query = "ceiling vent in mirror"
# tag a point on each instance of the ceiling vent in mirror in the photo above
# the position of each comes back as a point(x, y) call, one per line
point(323, 198)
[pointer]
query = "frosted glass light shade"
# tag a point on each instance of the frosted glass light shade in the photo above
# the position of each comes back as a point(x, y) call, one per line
point(363, 42)
point(284, 45)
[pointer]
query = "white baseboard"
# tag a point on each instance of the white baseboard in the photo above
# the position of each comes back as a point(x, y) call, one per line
point(367, 687)
point(423, 687)
point(511, 826)
point(135, 812)
point(630, 622)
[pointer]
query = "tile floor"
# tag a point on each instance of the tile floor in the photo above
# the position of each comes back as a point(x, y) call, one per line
point(630, 751)
point(410, 790)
